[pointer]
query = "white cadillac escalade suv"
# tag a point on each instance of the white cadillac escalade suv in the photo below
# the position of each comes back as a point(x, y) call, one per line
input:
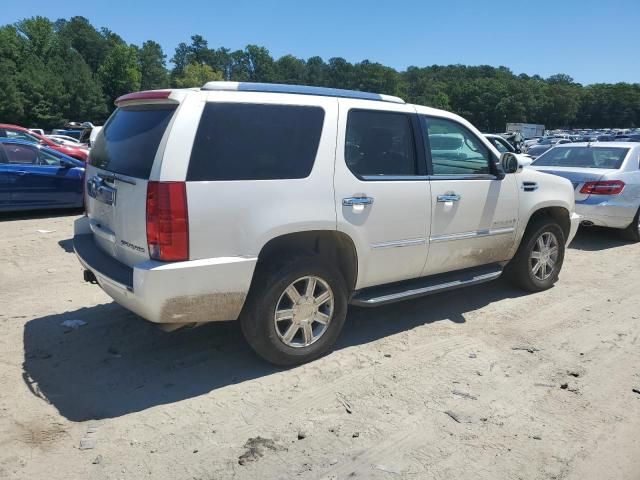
point(280, 205)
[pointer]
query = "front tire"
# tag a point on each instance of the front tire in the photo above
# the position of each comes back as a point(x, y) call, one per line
point(295, 311)
point(539, 258)
point(632, 232)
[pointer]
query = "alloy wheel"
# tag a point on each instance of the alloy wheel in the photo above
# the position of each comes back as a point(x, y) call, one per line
point(304, 311)
point(544, 256)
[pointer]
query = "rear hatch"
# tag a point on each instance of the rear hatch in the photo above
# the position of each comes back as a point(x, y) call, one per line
point(577, 176)
point(118, 171)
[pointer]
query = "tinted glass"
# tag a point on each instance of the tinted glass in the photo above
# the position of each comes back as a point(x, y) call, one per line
point(129, 140)
point(18, 135)
point(583, 157)
point(49, 159)
point(538, 150)
point(455, 150)
point(380, 143)
point(20, 154)
point(502, 148)
point(237, 141)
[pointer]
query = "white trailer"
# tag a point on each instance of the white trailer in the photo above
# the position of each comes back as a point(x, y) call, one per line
point(527, 130)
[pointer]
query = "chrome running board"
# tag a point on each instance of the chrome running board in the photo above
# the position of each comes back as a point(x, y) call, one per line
point(395, 292)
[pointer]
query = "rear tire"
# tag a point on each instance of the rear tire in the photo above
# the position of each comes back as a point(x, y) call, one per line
point(632, 232)
point(538, 261)
point(308, 296)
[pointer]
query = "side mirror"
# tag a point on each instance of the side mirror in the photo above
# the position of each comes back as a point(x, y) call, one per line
point(65, 164)
point(510, 163)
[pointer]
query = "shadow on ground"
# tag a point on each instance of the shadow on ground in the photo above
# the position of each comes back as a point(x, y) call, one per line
point(593, 239)
point(66, 245)
point(118, 363)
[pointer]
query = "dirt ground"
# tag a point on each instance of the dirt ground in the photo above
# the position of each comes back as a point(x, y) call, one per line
point(482, 383)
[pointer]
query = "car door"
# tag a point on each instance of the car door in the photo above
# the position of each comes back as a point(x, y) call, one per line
point(21, 159)
point(473, 210)
point(381, 190)
point(37, 179)
point(61, 181)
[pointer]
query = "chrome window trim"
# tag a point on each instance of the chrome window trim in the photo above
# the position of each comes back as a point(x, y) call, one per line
point(473, 176)
point(390, 178)
point(401, 178)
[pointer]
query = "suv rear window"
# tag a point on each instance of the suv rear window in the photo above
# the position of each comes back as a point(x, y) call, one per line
point(129, 140)
point(583, 157)
point(238, 141)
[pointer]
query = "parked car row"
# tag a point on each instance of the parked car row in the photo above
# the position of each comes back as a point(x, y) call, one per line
point(79, 152)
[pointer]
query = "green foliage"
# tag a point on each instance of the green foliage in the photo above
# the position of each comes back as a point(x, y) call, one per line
point(196, 75)
point(152, 66)
point(120, 72)
point(52, 72)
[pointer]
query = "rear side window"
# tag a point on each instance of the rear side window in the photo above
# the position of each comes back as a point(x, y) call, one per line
point(20, 154)
point(129, 140)
point(237, 141)
point(380, 144)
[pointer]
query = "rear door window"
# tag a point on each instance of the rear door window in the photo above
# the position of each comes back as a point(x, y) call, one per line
point(237, 141)
point(380, 144)
point(129, 140)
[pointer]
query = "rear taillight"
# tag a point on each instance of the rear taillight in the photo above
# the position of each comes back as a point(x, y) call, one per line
point(167, 221)
point(607, 187)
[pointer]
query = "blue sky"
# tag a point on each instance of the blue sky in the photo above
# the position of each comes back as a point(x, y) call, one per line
point(593, 41)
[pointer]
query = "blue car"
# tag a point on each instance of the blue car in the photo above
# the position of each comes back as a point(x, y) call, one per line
point(34, 177)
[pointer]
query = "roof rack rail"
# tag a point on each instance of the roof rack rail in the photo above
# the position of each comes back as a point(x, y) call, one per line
point(298, 89)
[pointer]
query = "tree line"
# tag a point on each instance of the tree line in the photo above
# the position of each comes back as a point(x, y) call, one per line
point(53, 72)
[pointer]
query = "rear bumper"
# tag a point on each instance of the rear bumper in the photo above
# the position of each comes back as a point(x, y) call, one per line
point(195, 291)
point(606, 213)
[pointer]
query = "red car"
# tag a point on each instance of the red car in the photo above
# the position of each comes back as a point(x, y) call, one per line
point(21, 133)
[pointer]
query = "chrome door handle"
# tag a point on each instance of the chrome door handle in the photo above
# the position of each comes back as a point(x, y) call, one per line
point(350, 201)
point(450, 197)
point(21, 172)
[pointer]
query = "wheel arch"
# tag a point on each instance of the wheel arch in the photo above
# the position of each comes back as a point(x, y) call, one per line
point(334, 246)
point(560, 214)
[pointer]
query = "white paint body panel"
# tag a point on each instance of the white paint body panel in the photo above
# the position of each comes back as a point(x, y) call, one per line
point(230, 218)
point(487, 208)
point(390, 235)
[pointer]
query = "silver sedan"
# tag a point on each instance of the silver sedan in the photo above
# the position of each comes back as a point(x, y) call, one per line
point(606, 178)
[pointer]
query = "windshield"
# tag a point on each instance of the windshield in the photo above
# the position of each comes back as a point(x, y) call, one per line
point(129, 140)
point(501, 147)
point(583, 157)
point(538, 150)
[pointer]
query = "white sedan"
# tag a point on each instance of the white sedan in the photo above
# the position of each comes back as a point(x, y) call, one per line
point(606, 179)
